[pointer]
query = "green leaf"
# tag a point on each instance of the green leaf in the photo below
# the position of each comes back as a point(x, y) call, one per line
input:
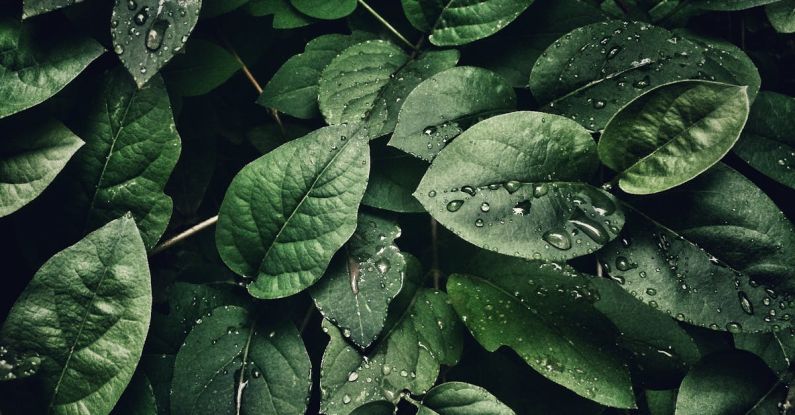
point(325, 9)
point(30, 158)
point(363, 279)
point(660, 350)
point(267, 137)
point(236, 362)
point(513, 184)
point(730, 5)
point(423, 335)
point(159, 369)
point(458, 22)
point(393, 179)
point(85, 314)
point(147, 33)
point(293, 89)
point(726, 62)
point(663, 269)
point(776, 349)
point(32, 8)
point(660, 402)
point(131, 148)
point(286, 213)
point(782, 15)
point(39, 58)
point(544, 313)
point(729, 383)
point(284, 15)
point(213, 8)
point(368, 82)
point(593, 71)
point(444, 105)
point(768, 142)
point(138, 398)
point(459, 398)
point(672, 134)
point(203, 67)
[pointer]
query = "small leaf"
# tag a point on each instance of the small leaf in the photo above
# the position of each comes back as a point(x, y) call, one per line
point(768, 141)
point(85, 315)
point(30, 158)
point(325, 9)
point(138, 398)
point(672, 134)
point(593, 71)
point(458, 22)
point(235, 362)
point(364, 278)
point(513, 184)
point(203, 67)
point(39, 58)
point(293, 89)
point(782, 15)
point(284, 14)
point(776, 349)
point(459, 398)
point(444, 105)
point(286, 214)
point(730, 5)
point(369, 82)
point(393, 179)
point(147, 33)
point(729, 382)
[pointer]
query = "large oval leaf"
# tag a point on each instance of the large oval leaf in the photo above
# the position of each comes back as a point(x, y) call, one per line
point(287, 213)
point(147, 33)
point(30, 158)
point(729, 5)
point(544, 313)
point(86, 314)
point(39, 58)
point(672, 134)
point(513, 184)
point(444, 105)
point(362, 281)
point(458, 22)
point(593, 71)
point(233, 362)
point(782, 15)
point(368, 82)
point(768, 141)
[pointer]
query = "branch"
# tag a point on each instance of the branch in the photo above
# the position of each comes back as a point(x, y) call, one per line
point(184, 235)
point(386, 24)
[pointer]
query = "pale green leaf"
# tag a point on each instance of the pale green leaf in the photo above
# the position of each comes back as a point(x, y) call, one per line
point(782, 15)
point(459, 398)
point(32, 8)
point(513, 184)
point(286, 214)
point(444, 105)
point(30, 158)
point(672, 134)
point(86, 314)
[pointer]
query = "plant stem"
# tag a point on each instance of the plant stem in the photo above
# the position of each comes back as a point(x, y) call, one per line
point(435, 253)
point(307, 318)
point(386, 24)
point(184, 235)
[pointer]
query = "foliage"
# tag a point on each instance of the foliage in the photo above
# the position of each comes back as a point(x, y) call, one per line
point(433, 207)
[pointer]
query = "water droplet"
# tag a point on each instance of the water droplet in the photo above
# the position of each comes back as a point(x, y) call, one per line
point(590, 227)
point(383, 265)
point(118, 49)
point(734, 327)
point(745, 303)
point(651, 291)
point(346, 399)
point(432, 193)
point(642, 83)
point(479, 223)
point(559, 240)
point(454, 205)
point(598, 104)
point(469, 190)
point(484, 207)
point(353, 376)
point(429, 130)
point(540, 190)
point(623, 264)
point(256, 374)
point(512, 186)
point(131, 5)
point(154, 38)
point(613, 52)
point(141, 17)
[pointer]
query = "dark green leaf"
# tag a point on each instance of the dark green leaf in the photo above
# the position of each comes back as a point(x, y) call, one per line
point(287, 213)
point(267, 137)
point(729, 383)
point(325, 9)
point(212, 8)
point(147, 33)
point(369, 81)
point(284, 15)
point(727, 63)
point(729, 5)
point(672, 134)
point(444, 105)
point(782, 15)
point(458, 22)
point(38, 59)
point(85, 315)
point(236, 362)
point(393, 179)
point(30, 158)
point(513, 184)
point(768, 141)
point(458, 398)
point(364, 278)
point(138, 398)
point(544, 313)
point(203, 67)
point(776, 349)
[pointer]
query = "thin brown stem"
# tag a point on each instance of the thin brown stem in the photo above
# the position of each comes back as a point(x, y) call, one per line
point(307, 317)
point(184, 235)
point(386, 24)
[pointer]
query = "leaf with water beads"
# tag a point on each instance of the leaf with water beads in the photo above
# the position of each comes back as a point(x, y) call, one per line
point(444, 105)
point(32, 8)
point(514, 184)
point(235, 361)
point(459, 398)
point(545, 313)
point(363, 279)
point(147, 33)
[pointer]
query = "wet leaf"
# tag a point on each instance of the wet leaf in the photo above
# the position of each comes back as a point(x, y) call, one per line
point(325, 9)
point(458, 398)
